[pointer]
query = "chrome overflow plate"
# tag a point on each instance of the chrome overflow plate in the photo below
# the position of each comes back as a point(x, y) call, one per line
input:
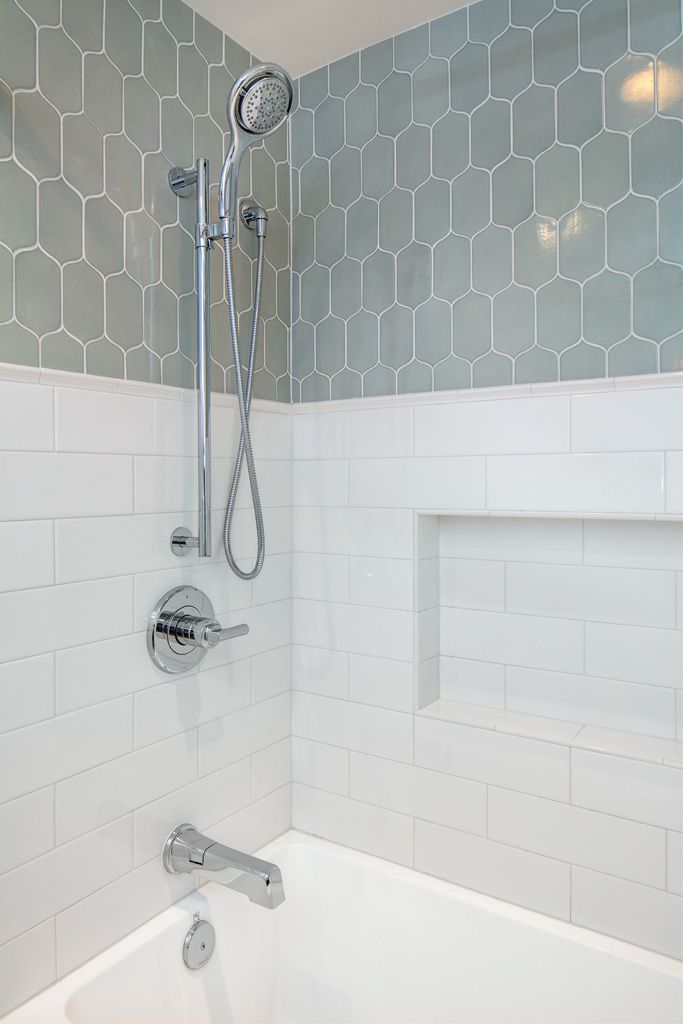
point(199, 943)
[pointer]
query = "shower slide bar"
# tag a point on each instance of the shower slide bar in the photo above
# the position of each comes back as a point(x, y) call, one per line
point(182, 182)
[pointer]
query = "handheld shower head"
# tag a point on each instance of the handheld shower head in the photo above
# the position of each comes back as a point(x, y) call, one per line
point(258, 103)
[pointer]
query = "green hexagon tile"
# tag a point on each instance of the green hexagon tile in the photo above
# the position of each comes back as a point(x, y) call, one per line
point(97, 101)
point(491, 198)
point(494, 197)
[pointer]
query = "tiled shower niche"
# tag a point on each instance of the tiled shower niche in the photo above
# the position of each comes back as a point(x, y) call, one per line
point(571, 629)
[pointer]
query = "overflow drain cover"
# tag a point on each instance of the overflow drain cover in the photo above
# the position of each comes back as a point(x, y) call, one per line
point(199, 944)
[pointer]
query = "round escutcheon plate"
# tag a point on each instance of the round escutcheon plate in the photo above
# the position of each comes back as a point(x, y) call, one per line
point(199, 944)
point(164, 649)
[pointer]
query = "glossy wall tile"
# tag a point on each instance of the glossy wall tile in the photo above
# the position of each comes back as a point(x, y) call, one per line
point(491, 198)
point(100, 752)
point(97, 102)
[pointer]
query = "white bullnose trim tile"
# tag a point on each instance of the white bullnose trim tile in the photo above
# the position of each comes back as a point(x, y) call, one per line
point(493, 394)
point(498, 719)
point(68, 378)
point(609, 703)
point(633, 746)
point(146, 389)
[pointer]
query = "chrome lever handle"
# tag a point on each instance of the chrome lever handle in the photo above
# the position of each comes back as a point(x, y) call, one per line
point(182, 628)
point(206, 633)
point(216, 635)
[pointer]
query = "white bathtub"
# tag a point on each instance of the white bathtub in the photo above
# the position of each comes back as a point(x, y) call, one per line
point(361, 940)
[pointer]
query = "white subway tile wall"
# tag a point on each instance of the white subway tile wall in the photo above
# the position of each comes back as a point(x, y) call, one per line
point(547, 765)
point(490, 785)
point(101, 754)
point(592, 643)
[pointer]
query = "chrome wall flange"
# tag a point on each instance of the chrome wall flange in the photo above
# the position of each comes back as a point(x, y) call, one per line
point(182, 181)
point(182, 628)
point(183, 541)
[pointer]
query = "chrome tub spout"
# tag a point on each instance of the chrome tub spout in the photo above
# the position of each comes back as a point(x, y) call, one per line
point(188, 850)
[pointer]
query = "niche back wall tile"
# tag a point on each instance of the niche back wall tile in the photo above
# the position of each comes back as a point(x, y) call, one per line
point(490, 199)
point(97, 102)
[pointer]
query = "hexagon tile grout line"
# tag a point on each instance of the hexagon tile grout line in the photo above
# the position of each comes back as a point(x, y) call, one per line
point(549, 131)
point(113, 83)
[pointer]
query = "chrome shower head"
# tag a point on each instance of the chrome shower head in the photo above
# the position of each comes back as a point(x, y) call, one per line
point(264, 103)
point(258, 103)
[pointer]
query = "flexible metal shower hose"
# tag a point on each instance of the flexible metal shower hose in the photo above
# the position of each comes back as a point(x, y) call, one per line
point(245, 449)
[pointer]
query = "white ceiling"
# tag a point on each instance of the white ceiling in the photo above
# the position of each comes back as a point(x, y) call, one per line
point(305, 34)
